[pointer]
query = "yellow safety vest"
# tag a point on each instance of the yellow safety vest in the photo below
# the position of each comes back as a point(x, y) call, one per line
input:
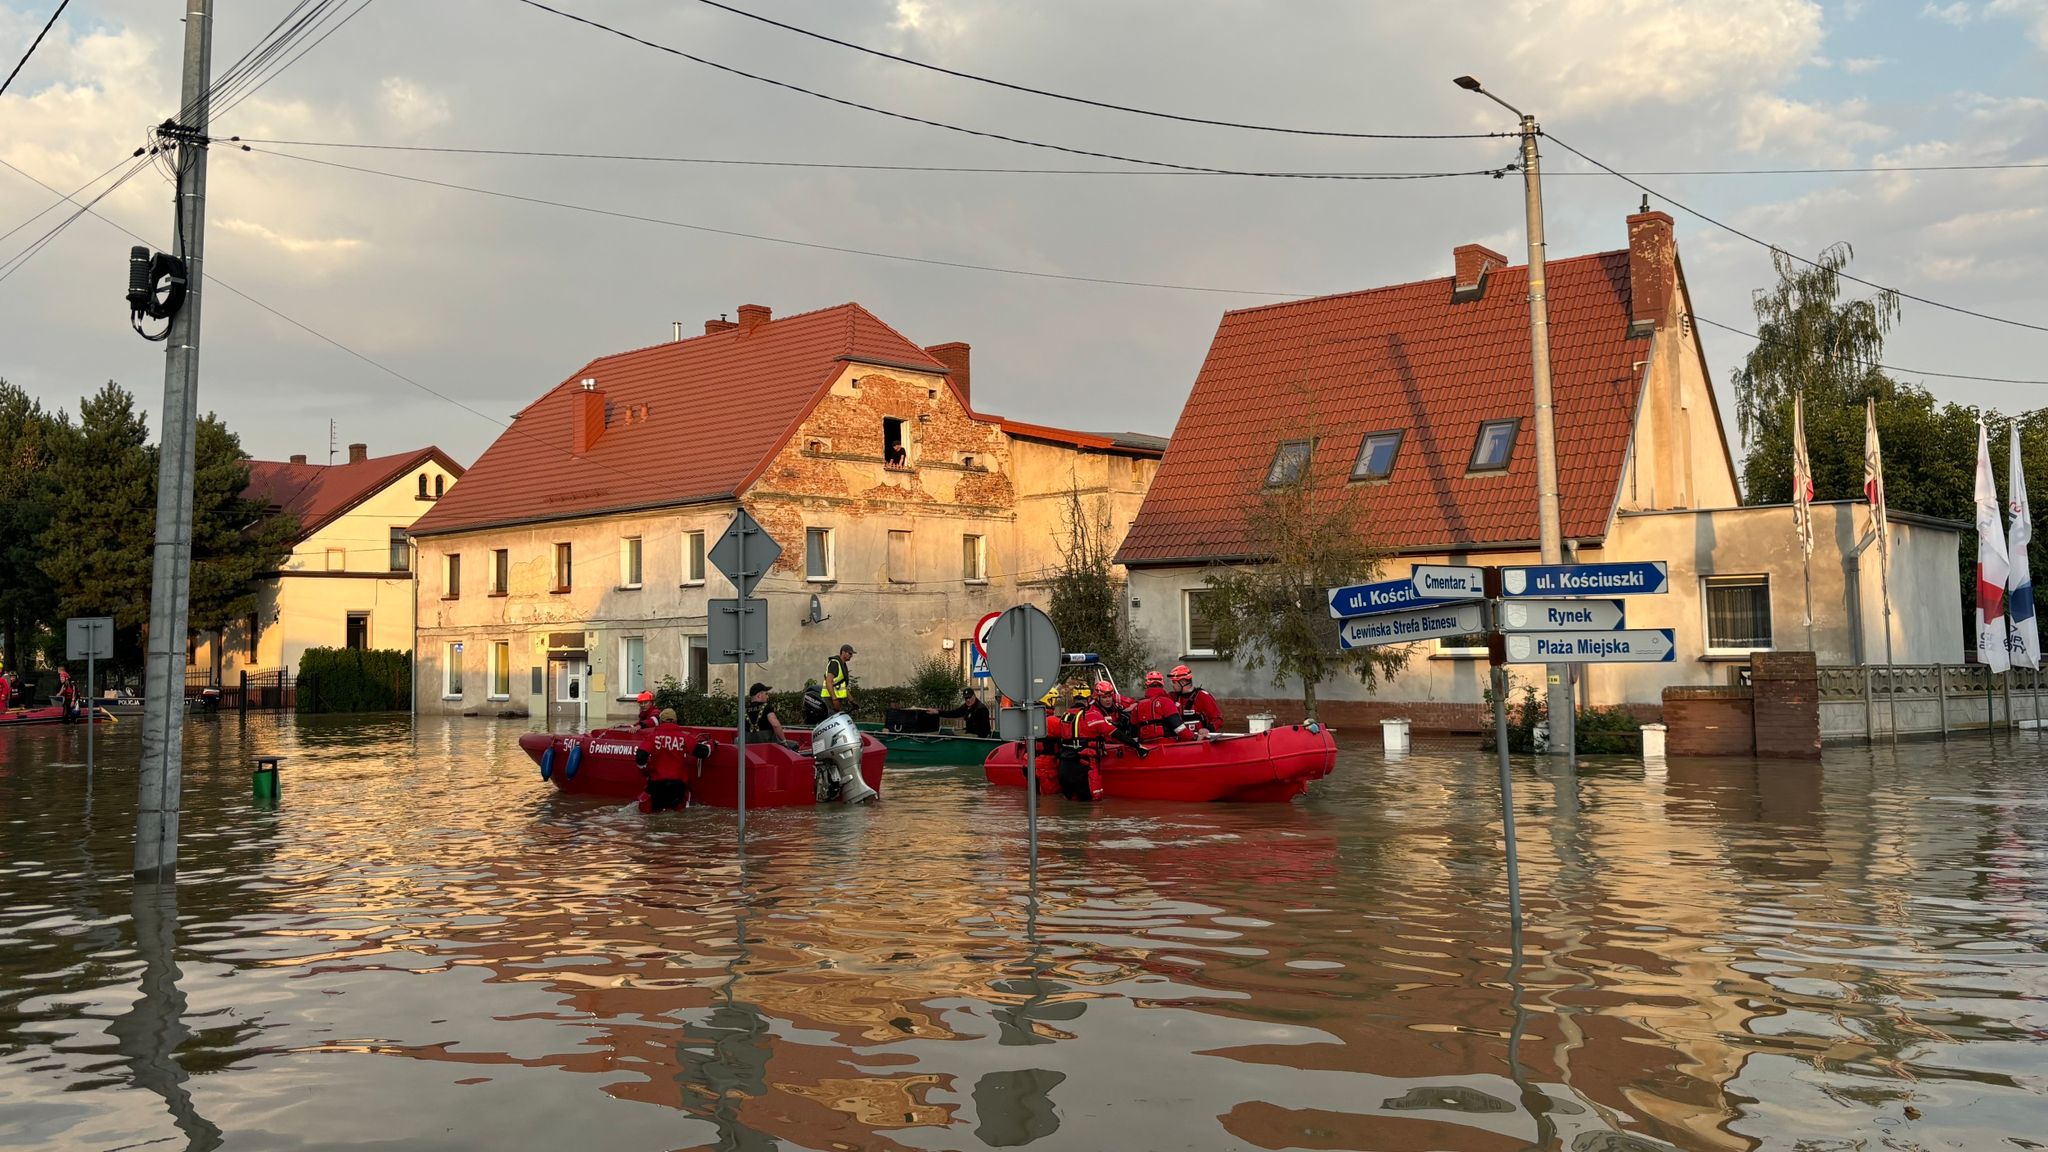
point(837, 682)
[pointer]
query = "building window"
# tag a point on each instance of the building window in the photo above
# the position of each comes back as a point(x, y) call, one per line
point(901, 570)
point(974, 559)
point(1290, 462)
point(894, 453)
point(501, 571)
point(401, 552)
point(817, 554)
point(423, 485)
point(629, 563)
point(357, 632)
point(501, 669)
point(1494, 444)
point(693, 557)
point(697, 664)
point(440, 483)
point(1738, 613)
point(451, 670)
point(563, 569)
point(632, 665)
point(451, 576)
point(337, 560)
point(1376, 456)
point(1470, 646)
point(1198, 629)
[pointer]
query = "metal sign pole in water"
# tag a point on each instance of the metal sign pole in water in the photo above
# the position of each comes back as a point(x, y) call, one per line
point(1030, 774)
point(1507, 794)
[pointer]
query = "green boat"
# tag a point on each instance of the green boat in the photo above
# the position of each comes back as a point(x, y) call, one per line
point(933, 748)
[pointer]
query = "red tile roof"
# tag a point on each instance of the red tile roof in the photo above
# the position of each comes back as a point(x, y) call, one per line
point(317, 493)
point(1405, 358)
point(717, 408)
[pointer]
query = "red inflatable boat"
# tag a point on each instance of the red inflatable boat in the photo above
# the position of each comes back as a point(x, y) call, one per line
point(50, 714)
point(1273, 765)
point(605, 763)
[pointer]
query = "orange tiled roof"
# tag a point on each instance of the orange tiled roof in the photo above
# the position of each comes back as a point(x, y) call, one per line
point(317, 493)
point(716, 409)
point(1405, 358)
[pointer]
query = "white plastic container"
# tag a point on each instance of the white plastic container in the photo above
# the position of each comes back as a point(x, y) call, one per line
point(1394, 735)
point(1259, 722)
point(1653, 742)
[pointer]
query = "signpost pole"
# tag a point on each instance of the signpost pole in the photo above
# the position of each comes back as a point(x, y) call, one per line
point(89, 706)
point(739, 742)
point(1507, 794)
point(1030, 768)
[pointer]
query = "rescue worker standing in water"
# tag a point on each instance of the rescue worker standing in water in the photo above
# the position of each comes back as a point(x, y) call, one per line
point(664, 765)
point(1079, 732)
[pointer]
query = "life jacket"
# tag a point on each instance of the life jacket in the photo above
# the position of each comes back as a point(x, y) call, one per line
point(1157, 715)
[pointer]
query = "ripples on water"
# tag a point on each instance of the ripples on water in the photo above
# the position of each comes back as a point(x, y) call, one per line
point(425, 948)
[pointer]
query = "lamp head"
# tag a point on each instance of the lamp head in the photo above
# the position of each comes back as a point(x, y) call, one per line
point(1468, 83)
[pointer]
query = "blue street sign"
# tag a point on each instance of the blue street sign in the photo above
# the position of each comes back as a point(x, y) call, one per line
point(1627, 646)
point(1628, 578)
point(1428, 584)
point(980, 667)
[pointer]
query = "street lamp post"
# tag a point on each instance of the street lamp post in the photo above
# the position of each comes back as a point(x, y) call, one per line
point(1550, 535)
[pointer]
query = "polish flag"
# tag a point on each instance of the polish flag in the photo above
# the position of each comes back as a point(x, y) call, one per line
point(1992, 566)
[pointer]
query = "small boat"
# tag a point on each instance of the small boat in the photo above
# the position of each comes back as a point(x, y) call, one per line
point(933, 748)
point(606, 762)
point(1274, 765)
point(50, 714)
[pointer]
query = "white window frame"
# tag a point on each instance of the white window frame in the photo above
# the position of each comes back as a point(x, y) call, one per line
point(632, 561)
point(1740, 580)
point(1187, 621)
point(627, 688)
point(451, 670)
point(500, 662)
point(693, 558)
point(1448, 651)
point(451, 576)
point(979, 573)
point(831, 561)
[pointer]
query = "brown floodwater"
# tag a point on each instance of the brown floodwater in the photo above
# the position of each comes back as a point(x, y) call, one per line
point(424, 947)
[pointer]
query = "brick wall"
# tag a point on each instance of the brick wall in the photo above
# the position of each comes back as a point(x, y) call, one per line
point(1787, 708)
point(1708, 721)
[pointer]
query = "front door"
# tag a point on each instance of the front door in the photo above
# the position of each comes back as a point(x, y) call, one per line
point(566, 672)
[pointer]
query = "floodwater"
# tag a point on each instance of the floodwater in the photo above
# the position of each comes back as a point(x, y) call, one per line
point(424, 948)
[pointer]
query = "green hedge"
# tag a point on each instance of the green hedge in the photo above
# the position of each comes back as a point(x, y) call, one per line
point(354, 680)
point(722, 710)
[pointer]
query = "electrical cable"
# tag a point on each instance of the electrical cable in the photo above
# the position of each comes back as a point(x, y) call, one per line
point(33, 45)
point(61, 198)
point(784, 240)
point(20, 259)
point(1697, 318)
point(1098, 103)
point(905, 116)
point(280, 69)
point(1726, 227)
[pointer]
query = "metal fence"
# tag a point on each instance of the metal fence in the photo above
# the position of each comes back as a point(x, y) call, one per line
point(1872, 703)
point(275, 691)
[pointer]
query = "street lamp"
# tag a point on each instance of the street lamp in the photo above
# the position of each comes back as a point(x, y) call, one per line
point(1550, 536)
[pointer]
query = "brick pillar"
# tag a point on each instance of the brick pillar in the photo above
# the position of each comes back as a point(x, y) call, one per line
point(1785, 688)
point(1708, 720)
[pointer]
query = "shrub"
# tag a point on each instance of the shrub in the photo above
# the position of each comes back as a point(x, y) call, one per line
point(354, 680)
point(937, 681)
point(1608, 731)
point(721, 710)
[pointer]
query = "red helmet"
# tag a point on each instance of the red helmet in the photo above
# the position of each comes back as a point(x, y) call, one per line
point(646, 698)
point(1180, 672)
point(1105, 688)
point(1155, 679)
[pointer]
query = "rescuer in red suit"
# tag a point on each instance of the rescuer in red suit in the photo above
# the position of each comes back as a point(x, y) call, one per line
point(1197, 707)
point(665, 764)
point(1157, 713)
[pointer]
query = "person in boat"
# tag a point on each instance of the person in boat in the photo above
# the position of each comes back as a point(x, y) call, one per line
point(1197, 707)
point(839, 680)
point(762, 722)
point(1116, 708)
point(972, 713)
point(663, 764)
point(1076, 735)
point(6, 690)
point(649, 716)
point(67, 693)
point(1157, 713)
point(814, 705)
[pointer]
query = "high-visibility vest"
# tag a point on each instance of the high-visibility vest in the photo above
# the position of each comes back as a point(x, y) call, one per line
point(837, 682)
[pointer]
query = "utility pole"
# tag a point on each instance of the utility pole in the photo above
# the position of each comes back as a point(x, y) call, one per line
point(170, 583)
point(1560, 698)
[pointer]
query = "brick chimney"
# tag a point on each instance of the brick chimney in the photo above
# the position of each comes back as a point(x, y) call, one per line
point(954, 357)
point(714, 327)
point(357, 453)
point(1652, 270)
point(1472, 263)
point(299, 458)
point(587, 417)
point(752, 316)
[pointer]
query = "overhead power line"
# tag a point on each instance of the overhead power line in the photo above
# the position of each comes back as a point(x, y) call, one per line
point(906, 116)
point(1730, 228)
point(33, 45)
point(1697, 318)
point(1103, 104)
point(784, 240)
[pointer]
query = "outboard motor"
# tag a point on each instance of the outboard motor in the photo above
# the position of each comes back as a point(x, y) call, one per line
point(835, 751)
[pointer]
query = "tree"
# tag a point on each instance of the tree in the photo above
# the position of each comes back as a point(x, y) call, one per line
point(28, 602)
point(1276, 610)
point(1086, 599)
point(233, 540)
point(97, 544)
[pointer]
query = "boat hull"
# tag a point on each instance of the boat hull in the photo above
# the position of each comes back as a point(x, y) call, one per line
point(934, 749)
point(777, 777)
point(1272, 766)
point(48, 714)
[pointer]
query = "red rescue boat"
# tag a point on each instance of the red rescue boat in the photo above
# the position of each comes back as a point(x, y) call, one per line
point(605, 762)
point(1274, 765)
point(51, 714)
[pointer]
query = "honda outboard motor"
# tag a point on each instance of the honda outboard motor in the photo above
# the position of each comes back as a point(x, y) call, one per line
point(835, 750)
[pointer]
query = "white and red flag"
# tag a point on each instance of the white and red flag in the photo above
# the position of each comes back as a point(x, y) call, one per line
point(2019, 581)
point(1992, 566)
point(1802, 479)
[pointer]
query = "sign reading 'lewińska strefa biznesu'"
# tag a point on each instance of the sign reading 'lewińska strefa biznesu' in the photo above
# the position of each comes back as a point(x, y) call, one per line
point(1416, 624)
point(1427, 584)
point(1628, 578)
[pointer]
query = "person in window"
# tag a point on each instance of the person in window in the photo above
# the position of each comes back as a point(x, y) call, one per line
point(1198, 709)
point(896, 457)
point(972, 713)
point(839, 680)
point(762, 722)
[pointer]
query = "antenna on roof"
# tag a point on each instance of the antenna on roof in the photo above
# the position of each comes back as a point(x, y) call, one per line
point(330, 440)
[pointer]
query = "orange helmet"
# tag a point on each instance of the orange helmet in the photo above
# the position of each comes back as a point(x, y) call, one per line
point(646, 698)
point(1180, 672)
point(1104, 688)
point(1155, 679)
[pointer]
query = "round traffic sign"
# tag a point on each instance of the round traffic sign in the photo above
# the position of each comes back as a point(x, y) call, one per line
point(1024, 653)
point(981, 630)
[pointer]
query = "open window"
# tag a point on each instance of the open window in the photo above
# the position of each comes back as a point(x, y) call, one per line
point(1494, 445)
point(894, 453)
point(1376, 456)
point(1290, 463)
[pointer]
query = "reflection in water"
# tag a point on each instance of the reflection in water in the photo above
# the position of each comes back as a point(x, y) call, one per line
point(423, 947)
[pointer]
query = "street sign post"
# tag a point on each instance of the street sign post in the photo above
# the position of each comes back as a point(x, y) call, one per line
point(1562, 615)
point(1024, 658)
point(744, 553)
point(1622, 646)
point(89, 638)
point(1629, 578)
point(1415, 624)
point(1428, 584)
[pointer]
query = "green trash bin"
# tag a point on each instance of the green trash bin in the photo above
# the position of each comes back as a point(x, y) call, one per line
point(263, 781)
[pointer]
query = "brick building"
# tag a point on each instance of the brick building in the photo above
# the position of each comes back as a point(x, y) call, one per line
point(568, 570)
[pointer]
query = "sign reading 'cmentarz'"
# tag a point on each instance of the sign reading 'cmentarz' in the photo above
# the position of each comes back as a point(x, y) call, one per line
point(1427, 584)
point(1417, 624)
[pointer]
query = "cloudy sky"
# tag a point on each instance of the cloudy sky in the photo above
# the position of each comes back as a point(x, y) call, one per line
point(490, 301)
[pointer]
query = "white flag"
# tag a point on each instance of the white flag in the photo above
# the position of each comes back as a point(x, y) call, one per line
point(1873, 475)
point(1991, 563)
point(1802, 479)
point(2019, 583)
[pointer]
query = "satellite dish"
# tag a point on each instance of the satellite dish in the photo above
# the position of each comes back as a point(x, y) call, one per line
point(817, 615)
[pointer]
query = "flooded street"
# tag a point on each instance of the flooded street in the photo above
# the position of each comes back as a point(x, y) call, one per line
point(424, 947)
